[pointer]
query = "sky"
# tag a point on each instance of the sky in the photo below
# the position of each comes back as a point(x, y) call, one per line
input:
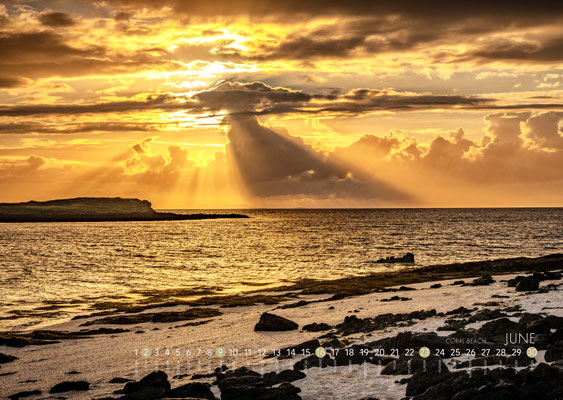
point(246, 103)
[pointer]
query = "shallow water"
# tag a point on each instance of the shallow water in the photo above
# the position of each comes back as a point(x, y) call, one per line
point(51, 271)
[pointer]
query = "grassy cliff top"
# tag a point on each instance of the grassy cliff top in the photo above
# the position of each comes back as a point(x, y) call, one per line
point(84, 209)
point(78, 206)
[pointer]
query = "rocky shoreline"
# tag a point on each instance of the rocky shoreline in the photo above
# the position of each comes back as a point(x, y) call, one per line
point(452, 339)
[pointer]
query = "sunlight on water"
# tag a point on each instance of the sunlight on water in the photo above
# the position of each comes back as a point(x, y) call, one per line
point(53, 270)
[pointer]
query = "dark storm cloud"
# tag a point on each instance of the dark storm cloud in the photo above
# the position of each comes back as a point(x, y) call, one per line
point(545, 50)
point(256, 98)
point(248, 96)
point(32, 127)
point(46, 53)
point(11, 82)
point(38, 46)
point(162, 102)
point(437, 9)
point(56, 19)
point(260, 99)
point(273, 164)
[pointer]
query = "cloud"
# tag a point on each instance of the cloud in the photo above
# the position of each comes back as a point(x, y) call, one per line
point(56, 19)
point(241, 97)
point(152, 102)
point(541, 50)
point(260, 99)
point(47, 53)
point(362, 28)
point(18, 128)
point(518, 151)
point(17, 168)
point(12, 82)
point(435, 9)
point(257, 98)
point(273, 164)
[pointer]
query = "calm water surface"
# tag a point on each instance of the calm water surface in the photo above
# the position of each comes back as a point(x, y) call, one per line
point(51, 271)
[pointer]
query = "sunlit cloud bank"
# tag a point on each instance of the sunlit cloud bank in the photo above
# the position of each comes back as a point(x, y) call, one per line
point(301, 103)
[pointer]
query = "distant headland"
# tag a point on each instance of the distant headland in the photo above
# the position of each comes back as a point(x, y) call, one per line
point(84, 209)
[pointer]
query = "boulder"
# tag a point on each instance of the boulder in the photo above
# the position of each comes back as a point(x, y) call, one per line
point(528, 284)
point(6, 358)
point(69, 386)
point(314, 327)
point(482, 281)
point(253, 387)
point(497, 329)
point(152, 386)
point(397, 298)
point(434, 372)
point(407, 258)
point(403, 365)
point(196, 390)
point(272, 323)
point(554, 352)
point(21, 395)
point(314, 362)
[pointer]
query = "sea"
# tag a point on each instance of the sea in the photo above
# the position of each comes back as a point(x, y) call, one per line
point(50, 272)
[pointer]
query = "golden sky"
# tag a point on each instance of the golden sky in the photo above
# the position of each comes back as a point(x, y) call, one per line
point(246, 103)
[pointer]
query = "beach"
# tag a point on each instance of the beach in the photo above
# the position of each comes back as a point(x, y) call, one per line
point(200, 342)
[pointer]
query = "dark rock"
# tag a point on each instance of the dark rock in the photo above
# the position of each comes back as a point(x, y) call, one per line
point(353, 324)
point(508, 361)
point(554, 352)
point(407, 258)
point(527, 284)
point(271, 322)
point(553, 322)
point(453, 325)
point(488, 304)
point(6, 358)
point(458, 283)
point(460, 310)
point(434, 372)
point(497, 329)
point(313, 361)
point(314, 327)
point(255, 388)
point(300, 303)
point(528, 318)
point(26, 393)
point(397, 298)
point(486, 315)
point(542, 380)
point(515, 281)
point(404, 365)
point(288, 375)
point(480, 384)
point(405, 288)
point(555, 336)
point(242, 371)
point(333, 343)
point(355, 354)
point(69, 386)
point(152, 386)
point(73, 373)
point(482, 281)
point(120, 380)
point(14, 341)
point(436, 286)
point(305, 348)
point(331, 308)
point(195, 390)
